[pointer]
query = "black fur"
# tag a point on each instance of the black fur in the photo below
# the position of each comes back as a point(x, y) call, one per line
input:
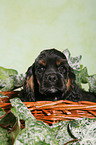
point(51, 78)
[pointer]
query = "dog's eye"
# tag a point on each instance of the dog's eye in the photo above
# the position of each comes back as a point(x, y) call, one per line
point(41, 69)
point(62, 68)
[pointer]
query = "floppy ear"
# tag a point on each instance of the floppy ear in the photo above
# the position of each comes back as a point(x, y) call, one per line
point(28, 87)
point(71, 74)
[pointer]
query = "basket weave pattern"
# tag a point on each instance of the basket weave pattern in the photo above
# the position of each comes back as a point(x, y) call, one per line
point(54, 111)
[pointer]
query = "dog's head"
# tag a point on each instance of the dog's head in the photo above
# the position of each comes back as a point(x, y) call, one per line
point(50, 77)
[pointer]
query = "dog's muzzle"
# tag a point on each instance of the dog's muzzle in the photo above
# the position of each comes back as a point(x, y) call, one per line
point(52, 83)
point(52, 78)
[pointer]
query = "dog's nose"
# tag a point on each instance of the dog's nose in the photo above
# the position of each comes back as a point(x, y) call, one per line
point(52, 78)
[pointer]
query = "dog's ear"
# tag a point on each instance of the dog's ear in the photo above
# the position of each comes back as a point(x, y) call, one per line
point(28, 86)
point(71, 74)
point(71, 78)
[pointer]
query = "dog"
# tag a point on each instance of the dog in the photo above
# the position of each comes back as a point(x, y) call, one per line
point(51, 78)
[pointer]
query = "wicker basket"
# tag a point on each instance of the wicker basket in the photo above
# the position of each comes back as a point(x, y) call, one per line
point(54, 111)
point(8, 95)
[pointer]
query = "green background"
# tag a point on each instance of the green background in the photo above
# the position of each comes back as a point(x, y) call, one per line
point(29, 26)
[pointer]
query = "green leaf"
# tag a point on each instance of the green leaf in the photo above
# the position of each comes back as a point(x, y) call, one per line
point(35, 137)
point(60, 131)
point(3, 136)
point(84, 130)
point(74, 62)
point(92, 83)
point(14, 128)
point(1, 112)
point(6, 83)
point(18, 80)
point(21, 110)
point(7, 72)
point(35, 132)
point(81, 76)
point(10, 79)
point(84, 75)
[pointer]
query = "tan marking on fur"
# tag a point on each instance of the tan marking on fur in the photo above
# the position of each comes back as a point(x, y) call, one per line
point(68, 84)
point(58, 62)
point(38, 81)
point(42, 62)
point(30, 83)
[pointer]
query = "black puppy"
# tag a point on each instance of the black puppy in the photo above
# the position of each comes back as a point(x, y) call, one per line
point(51, 78)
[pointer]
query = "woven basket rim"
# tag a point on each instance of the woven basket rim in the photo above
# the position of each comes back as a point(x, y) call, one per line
point(54, 111)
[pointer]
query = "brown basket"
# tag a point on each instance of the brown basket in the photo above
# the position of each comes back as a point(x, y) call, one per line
point(54, 111)
point(8, 95)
